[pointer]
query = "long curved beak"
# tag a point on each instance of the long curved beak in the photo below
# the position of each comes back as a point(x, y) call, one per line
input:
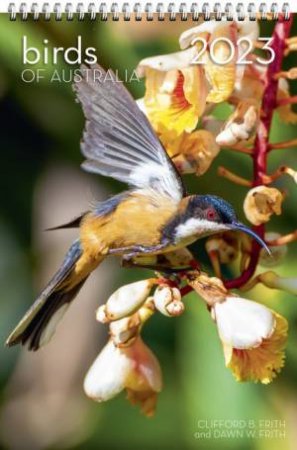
point(241, 227)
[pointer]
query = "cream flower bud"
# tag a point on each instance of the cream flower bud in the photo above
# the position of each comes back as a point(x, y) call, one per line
point(242, 323)
point(278, 252)
point(260, 203)
point(168, 301)
point(274, 281)
point(135, 369)
point(124, 301)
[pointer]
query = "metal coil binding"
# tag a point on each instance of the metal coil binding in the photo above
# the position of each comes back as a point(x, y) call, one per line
point(175, 10)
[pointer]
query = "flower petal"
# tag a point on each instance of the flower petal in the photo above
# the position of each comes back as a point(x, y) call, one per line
point(261, 363)
point(166, 63)
point(147, 373)
point(243, 323)
point(241, 125)
point(176, 92)
point(106, 377)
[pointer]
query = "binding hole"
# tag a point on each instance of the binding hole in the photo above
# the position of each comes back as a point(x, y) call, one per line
point(92, 11)
point(24, 12)
point(183, 11)
point(229, 12)
point(137, 11)
point(206, 11)
point(35, 11)
point(103, 11)
point(126, 12)
point(286, 11)
point(263, 11)
point(12, 11)
point(218, 11)
point(115, 12)
point(240, 12)
point(80, 12)
point(172, 12)
point(195, 12)
point(274, 11)
point(58, 12)
point(252, 11)
point(160, 11)
point(149, 12)
point(46, 11)
point(69, 11)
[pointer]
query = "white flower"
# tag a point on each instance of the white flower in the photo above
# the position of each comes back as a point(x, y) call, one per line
point(133, 368)
point(243, 323)
point(253, 338)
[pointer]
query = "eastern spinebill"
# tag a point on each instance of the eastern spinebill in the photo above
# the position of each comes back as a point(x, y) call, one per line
point(154, 216)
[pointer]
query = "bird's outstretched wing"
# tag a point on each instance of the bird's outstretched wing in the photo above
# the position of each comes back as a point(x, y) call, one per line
point(118, 140)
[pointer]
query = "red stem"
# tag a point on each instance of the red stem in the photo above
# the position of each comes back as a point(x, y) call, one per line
point(261, 148)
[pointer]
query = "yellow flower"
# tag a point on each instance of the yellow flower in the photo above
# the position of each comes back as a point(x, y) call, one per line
point(261, 363)
point(134, 368)
point(220, 35)
point(253, 339)
point(191, 152)
point(260, 203)
point(176, 92)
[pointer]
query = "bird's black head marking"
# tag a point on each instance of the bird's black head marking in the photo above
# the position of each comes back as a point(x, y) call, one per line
point(211, 208)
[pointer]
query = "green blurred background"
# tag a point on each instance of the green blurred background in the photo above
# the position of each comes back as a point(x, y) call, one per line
point(42, 405)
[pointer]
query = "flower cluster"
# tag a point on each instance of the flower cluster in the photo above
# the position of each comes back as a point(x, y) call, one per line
point(180, 100)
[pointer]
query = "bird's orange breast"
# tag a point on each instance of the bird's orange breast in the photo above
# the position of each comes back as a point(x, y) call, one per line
point(137, 220)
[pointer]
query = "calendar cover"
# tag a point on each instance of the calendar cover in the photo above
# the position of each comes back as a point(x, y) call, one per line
point(148, 226)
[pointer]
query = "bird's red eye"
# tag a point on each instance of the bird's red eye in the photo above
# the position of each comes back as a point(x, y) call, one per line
point(210, 214)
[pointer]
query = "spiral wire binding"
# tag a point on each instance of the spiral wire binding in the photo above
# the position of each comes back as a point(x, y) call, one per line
point(130, 10)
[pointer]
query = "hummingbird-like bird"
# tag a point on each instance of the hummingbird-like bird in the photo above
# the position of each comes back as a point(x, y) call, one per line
point(154, 216)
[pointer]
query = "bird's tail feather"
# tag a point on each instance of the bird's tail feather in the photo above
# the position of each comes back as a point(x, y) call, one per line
point(39, 323)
